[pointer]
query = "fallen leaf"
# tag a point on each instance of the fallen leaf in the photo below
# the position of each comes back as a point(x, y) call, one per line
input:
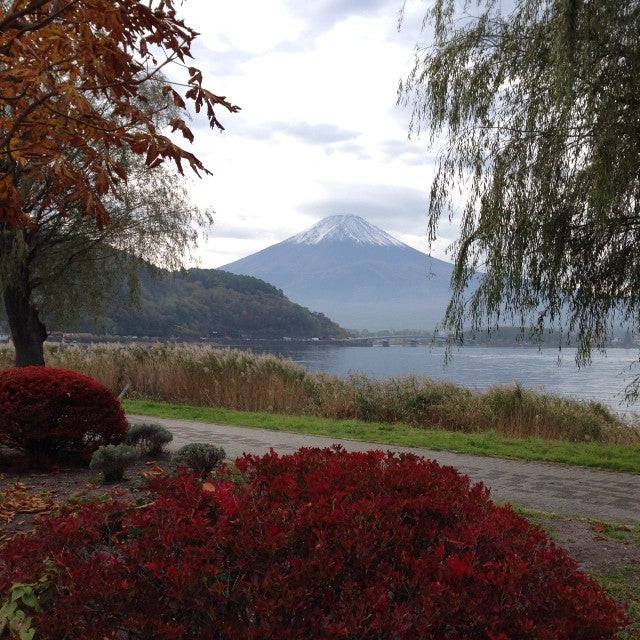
point(16, 500)
point(153, 471)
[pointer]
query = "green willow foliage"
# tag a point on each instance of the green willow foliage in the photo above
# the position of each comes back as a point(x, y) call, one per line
point(539, 104)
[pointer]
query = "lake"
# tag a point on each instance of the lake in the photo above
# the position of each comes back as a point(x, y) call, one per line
point(481, 367)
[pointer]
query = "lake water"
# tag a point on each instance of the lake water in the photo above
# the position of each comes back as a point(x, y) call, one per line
point(481, 367)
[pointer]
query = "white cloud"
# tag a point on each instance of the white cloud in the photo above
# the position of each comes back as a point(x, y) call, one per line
point(248, 26)
point(319, 132)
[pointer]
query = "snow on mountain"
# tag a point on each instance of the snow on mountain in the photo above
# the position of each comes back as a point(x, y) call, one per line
point(343, 228)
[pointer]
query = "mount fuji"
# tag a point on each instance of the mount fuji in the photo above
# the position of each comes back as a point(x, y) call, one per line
point(356, 274)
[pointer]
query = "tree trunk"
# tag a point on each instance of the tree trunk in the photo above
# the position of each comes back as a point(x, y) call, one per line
point(27, 331)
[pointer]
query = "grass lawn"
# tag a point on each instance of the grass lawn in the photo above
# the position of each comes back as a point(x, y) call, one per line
point(617, 457)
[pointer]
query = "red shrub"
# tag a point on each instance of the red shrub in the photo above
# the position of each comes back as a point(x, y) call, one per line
point(320, 544)
point(48, 412)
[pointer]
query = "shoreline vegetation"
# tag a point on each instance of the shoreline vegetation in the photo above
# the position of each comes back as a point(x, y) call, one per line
point(239, 387)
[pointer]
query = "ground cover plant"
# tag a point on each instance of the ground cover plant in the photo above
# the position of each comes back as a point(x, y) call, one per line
point(150, 438)
point(322, 543)
point(50, 413)
point(199, 457)
point(206, 376)
point(112, 460)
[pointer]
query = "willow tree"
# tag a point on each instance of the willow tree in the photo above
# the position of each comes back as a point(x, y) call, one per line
point(74, 78)
point(536, 104)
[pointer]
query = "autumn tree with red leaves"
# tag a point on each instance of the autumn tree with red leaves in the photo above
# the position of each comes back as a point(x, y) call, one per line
point(74, 75)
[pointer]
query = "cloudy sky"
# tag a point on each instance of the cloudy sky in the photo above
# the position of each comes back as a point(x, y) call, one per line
point(319, 133)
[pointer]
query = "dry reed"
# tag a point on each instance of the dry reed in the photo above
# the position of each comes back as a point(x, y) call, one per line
point(207, 376)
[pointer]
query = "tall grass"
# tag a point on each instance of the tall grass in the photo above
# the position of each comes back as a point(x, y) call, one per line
point(202, 375)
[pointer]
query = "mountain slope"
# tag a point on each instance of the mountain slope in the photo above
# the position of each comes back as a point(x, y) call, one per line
point(203, 302)
point(355, 273)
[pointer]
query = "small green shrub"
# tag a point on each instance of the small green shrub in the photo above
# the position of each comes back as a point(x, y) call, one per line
point(112, 460)
point(199, 457)
point(149, 438)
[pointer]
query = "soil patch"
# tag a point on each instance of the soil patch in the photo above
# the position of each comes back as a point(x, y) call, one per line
point(27, 496)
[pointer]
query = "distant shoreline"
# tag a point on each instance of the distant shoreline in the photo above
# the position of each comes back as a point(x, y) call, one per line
point(373, 340)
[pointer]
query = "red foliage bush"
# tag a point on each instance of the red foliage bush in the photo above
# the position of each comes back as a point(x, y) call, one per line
point(319, 544)
point(49, 412)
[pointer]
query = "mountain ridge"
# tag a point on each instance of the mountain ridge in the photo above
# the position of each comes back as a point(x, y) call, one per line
point(209, 302)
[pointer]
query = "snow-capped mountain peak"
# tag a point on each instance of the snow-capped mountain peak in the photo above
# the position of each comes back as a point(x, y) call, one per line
point(345, 227)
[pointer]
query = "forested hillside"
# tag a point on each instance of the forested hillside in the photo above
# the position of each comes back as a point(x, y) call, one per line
point(206, 303)
point(210, 303)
